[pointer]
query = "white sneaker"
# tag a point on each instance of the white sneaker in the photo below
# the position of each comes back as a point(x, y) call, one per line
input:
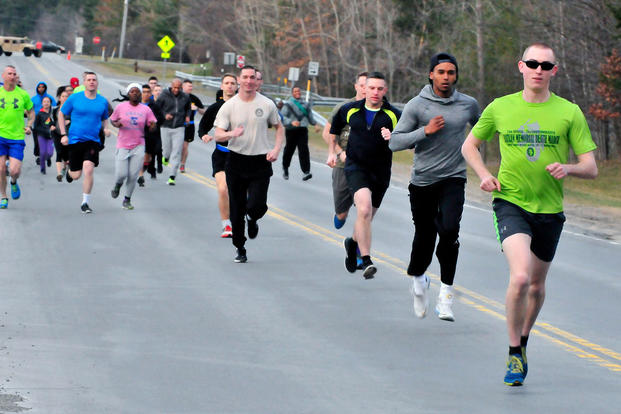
point(420, 292)
point(445, 302)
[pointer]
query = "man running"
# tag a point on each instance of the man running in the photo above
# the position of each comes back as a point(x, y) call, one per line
point(89, 113)
point(343, 198)
point(13, 102)
point(195, 106)
point(433, 124)
point(297, 117)
point(228, 89)
point(536, 129)
point(244, 121)
point(368, 163)
point(175, 104)
point(131, 118)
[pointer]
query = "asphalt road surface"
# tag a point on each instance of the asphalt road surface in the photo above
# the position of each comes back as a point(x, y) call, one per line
point(144, 311)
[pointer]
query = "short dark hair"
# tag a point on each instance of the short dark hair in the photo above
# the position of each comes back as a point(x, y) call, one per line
point(247, 67)
point(361, 74)
point(228, 75)
point(152, 78)
point(376, 75)
point(187, 81)
point(146, 86)
point(88, 72)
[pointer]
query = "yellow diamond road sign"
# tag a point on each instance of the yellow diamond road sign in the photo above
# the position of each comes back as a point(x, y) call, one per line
point(165, 55)
point(166, 44)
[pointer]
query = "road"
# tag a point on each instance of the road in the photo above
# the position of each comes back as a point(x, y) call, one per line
point(144, 311)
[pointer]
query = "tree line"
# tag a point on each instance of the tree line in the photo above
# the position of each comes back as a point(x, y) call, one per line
point(396, 37)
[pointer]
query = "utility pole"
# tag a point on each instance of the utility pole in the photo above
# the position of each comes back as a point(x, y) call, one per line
point(123, 28)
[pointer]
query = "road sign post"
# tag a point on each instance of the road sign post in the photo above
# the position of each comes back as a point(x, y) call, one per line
point(166, 44)
point(294, 75)
point(313, 71)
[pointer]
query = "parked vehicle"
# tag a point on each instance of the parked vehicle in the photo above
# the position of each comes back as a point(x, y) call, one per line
point(49, 46)
point(10, 44)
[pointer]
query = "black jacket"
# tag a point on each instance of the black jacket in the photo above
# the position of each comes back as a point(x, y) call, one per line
point(366, 147)
point(178, 106)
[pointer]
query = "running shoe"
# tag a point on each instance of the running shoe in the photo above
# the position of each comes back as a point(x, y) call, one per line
point(49, 162)
point(127, 205)
point(182, 169)
point(359, 263)
point(38, 160)
point(115, 191)
point(445, 303)
point(350, 254)
point(43, 172)
point(307, 176)
point(160, 169)
point(420, 292)
point(86, 209)
point(59, 178)
point(241, 256)
point(515, 371)
point(285, 173)
point(68, 177)
point(15, 191)
point(253, 228)
point(227, 232)
point(164, 161)
point(4, 203)
point(524, 361)
point(338, 223)
point(171, 181)
point(369, 269)
point(140, 181)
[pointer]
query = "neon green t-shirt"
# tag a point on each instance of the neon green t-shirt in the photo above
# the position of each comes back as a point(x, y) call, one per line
point(12, 107)
point(532, 136)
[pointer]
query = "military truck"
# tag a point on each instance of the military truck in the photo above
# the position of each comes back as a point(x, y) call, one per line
point(10, 44)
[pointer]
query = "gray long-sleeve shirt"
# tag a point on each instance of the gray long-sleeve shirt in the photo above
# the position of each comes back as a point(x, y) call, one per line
point(290, 112)
point(436, 156)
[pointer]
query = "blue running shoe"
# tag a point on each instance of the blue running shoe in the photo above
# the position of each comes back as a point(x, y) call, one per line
point(515, 371)
point(4, 203)
point(15, 191)
point(525, 363)
point(338, 223)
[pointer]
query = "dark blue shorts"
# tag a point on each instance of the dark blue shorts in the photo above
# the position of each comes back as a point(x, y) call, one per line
point(543, 229)
point(14, 148)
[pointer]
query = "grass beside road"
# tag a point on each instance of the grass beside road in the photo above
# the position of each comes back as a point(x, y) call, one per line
point(605, 191)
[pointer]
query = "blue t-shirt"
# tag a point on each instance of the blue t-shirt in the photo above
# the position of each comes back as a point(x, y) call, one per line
point(370, 115)
point(86, 116)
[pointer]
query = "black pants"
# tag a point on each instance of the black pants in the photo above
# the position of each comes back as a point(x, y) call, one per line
point(248, 179)
point(297, 138)
point(436, 210)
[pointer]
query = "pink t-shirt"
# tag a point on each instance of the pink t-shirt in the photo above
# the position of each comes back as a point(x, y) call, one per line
point(133, 119)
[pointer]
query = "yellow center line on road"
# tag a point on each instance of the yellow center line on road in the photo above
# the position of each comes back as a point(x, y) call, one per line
point(469, 297)
point(45, 72)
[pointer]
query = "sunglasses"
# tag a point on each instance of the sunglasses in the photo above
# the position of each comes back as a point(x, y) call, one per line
point(533, 64)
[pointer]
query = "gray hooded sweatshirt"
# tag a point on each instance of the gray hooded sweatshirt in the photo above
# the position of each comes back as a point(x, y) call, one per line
point(437, 156)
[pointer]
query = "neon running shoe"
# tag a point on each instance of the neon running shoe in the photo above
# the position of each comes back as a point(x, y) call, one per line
point(515, 371)
point(227, 232)
point(338, 223)
point(524, 361)
point(171, 181)
point(164, 161)
point(182, 169)
point(15, 191)
point(4, 203)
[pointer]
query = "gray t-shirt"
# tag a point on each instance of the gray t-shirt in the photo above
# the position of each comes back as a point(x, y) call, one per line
point(255, 116)
point(437, 156)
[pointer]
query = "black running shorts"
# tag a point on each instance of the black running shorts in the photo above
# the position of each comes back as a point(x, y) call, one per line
point(544, 229)
point(189, 133)
point(83, 151)
point(358, 178)
point(218, 161)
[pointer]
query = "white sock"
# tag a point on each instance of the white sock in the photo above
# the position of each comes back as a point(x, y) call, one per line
point(86, 198)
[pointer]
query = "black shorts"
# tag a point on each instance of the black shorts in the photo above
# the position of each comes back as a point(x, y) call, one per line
point(543, 229)
point(358, 178)
point(83, 151)
point(189, 133)
point(218, 161)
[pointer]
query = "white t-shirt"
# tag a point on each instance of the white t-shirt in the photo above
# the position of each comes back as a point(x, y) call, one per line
point(255, 116)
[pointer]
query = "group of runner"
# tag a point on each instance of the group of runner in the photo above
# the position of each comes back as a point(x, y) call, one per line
point(536, 130)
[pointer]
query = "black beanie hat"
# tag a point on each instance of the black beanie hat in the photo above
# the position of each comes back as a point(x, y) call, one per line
point(441, 58)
